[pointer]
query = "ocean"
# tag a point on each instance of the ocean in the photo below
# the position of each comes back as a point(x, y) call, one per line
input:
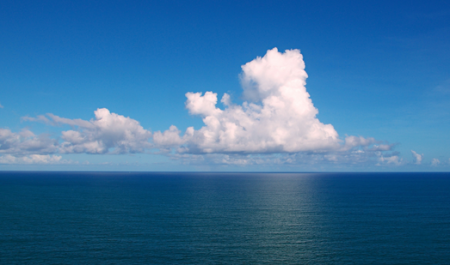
point(224, 218)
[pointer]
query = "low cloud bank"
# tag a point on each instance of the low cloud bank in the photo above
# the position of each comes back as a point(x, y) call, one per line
point(276, 124)
point(32, 159)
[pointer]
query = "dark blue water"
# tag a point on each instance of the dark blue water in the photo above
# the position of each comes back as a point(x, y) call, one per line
point(215, 218)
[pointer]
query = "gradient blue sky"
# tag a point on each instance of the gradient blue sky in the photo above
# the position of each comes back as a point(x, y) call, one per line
point(376, 69)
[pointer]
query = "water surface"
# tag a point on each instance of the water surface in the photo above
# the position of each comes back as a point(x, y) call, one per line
point(224, 218)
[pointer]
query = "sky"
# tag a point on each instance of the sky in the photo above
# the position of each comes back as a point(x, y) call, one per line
point(294, 86)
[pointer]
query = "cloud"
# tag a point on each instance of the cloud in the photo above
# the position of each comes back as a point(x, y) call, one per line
point(279, 116)
point(56, 120)
point(107, 133)
point(104, 114)
point(1, 106)
point(39, 118)
point(171, 137)
point(32, 159)
point(25, 142)
point(276, 124)
point(443, 88)
point(435, 162)
point(336, 160)
point(393, 160)
point(417, 157)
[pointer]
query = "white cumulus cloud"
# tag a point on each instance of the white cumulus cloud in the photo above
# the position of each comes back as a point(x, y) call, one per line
point(25, 142)
point(107, 133)
point(417, 157)
point(279, 116)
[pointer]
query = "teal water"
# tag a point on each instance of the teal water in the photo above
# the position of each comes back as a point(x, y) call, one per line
point(224, 218)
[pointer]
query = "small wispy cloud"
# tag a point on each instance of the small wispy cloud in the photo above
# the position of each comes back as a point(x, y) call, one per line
point(1, 106)
point(435, 162)
point(391, 160)
point(417, 157)
point(443, 88)
point(39, 118)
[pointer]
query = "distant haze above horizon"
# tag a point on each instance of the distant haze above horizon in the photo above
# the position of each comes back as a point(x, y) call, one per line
point(225, 86)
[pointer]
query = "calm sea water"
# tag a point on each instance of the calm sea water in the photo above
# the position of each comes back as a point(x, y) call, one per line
point(224, 218)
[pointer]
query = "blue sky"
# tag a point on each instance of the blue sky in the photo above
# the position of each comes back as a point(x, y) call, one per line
point(378, 70)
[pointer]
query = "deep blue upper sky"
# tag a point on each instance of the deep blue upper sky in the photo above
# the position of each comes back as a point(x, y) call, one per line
point(376, 68)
